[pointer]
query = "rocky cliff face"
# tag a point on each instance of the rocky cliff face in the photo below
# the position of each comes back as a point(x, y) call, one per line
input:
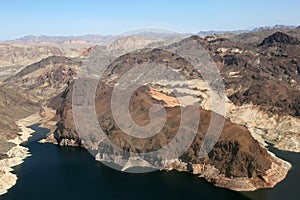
point(279, 38)
point(263, 82)
point(237, 161)
point(264, 76)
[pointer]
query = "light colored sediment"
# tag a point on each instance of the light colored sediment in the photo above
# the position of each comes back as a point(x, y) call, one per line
point(49, 139)
point(277, 172)
point(126, 164)
point(49, 123)
point(169, 101)
point(25, 132)
point(175, 164)
point(7, 179)
point(282, 131)
point(17, 154)
point(274, 175)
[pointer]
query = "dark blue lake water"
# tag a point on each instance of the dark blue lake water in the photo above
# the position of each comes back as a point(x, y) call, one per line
point(63, 173)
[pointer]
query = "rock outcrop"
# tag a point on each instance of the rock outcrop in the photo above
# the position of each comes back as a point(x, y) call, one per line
point(237, 161)
point(279, 38)
point(237, 155)
point(46, 78)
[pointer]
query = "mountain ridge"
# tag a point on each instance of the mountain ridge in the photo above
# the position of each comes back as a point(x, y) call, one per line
point(239, 160)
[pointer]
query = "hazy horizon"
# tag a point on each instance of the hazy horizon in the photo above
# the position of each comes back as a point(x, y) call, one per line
point(212, 30)
point(69, 18)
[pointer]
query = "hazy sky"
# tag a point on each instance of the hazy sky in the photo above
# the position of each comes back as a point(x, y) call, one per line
point(37, 17)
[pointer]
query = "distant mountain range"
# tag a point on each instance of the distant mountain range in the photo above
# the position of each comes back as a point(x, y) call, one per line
point(92, 39)
point(84, 39)
point(275, 27)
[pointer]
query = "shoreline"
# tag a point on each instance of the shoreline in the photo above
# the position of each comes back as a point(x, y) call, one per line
point(277, 173)
point(274, 175)
point(17, 154)
point(280, 131)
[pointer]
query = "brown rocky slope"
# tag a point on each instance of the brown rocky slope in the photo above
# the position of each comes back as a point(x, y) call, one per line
point(46, 78)
point(237, 161)
point(258, 76)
